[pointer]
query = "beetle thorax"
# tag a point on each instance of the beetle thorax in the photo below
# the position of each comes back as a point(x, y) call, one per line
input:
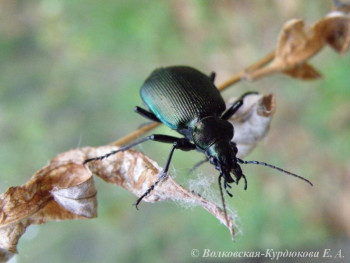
point(210, 130)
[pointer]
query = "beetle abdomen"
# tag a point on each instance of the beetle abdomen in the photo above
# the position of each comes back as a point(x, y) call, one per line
point(180, 95)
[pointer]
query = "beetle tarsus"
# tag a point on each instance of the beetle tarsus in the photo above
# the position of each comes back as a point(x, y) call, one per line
point(101, 157)
point(151, 188)
point(179, 143)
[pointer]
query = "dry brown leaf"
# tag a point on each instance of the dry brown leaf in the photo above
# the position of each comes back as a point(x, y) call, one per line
point(27, 200)
point(336, 30)
point(303, 71)
point(296, 45)
point(252, 121)
point(59, 191)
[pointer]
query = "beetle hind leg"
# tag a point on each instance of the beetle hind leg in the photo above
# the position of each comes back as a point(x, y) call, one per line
point(146, 114)
point(212, 77)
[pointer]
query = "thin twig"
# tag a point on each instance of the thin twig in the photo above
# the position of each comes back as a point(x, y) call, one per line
point(239, 76)
point(235, 79)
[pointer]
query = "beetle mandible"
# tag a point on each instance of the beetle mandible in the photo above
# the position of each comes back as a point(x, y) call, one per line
point(186, 100)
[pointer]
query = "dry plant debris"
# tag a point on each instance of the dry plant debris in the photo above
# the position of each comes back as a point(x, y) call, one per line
point(296, 44)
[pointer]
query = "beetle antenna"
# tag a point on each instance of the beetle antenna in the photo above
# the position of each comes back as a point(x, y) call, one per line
point(274, 167)
point(223, 199)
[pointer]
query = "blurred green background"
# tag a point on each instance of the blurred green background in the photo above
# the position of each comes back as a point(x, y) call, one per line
point(70, 74)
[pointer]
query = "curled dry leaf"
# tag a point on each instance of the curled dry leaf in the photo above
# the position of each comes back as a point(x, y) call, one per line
point(252, 121)
point(59, 191)
point(302, 71)
point(296, 45)
point(336, 29)
point(341, 6)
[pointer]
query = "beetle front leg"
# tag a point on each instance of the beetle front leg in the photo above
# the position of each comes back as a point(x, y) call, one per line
point(235, 107)
point(180, 143)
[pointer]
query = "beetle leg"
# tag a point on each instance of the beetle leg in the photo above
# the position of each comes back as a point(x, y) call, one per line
point(232, 110)
point(249, 93)
point(179, 143)
point(245, 182)
point(146, 114)
point(235, 106)
point(184, 144)
point(226, 185)
point(212, 76)
point(162, 176)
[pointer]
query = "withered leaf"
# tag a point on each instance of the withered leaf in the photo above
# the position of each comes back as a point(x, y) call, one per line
point(36, 201)
point(335, 28)
point(79, 199)
point(296, 45)
point(341, 6)
point(303, 71)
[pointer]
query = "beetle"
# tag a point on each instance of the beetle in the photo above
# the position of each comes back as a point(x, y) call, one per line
point(186, 100)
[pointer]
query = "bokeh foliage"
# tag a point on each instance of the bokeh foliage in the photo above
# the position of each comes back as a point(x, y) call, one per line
point(70, 74)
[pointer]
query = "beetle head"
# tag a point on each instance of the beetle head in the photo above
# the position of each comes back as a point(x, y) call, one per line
point(223, 156)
